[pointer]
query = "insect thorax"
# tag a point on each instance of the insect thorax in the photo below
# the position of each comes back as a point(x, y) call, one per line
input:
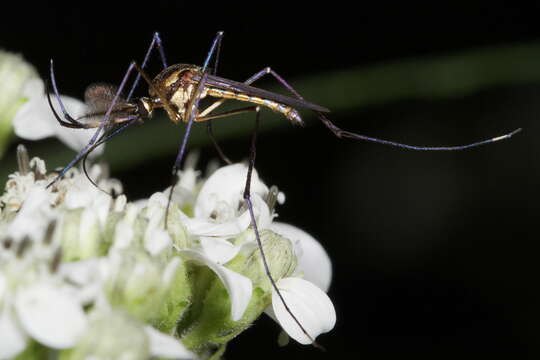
point(176, 85)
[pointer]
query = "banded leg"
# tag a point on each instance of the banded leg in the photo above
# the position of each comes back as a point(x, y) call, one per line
point(340, 133)
point(191, 110)
point(249, 203)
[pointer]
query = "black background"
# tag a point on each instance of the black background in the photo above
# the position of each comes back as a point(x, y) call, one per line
point(434, 254)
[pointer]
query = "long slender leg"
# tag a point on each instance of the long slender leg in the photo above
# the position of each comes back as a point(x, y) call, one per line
point(208, 120)
point(209, 128)
point(101, 128)
point(226, 114)
point(83, 154)
point(181, 152)
point(156, 42)
point(191, 110)
point(220, 152)
point(247, 199)
point(103, 138)
point(340, 133)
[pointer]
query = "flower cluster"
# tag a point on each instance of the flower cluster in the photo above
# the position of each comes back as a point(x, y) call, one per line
point(89, 275)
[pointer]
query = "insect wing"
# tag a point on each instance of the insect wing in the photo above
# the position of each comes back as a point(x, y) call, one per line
point(239, 87)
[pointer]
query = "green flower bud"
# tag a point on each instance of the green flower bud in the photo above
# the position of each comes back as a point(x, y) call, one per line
point(280, 257)
point(111, 335)
point(14, 73)
point(177, 298)
point(80, 235)
point(210, 320)
point(148, 288)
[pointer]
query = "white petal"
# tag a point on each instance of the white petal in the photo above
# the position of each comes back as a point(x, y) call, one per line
point(170, 270)
point(162, 345)
point(309, 304)
point(33, 217)
point(50, 316)
point(35, 119)
point(238, 286)
point(3, 286)
point(157, 241)
point(218, 250)
point(203, 227)
point(81, 272)
point(87, 277)
point(227, 185)
point(313, 261)
point(76, 139)
point(32, 120)
point(123, 235)
point(13, 339)
point(207, 227)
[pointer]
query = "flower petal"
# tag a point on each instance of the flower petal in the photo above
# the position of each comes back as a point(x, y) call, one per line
point(50, 316)
point(28, 122)
point(226, 185)
point(157, 241)
point(35, 120)
point(86, 277)
point(238, 286)
point(162, 345)
point(76, 139)
point(313, 261)
point(203, 227)
point(218, 250)
point(309, 304)
point(13, 339)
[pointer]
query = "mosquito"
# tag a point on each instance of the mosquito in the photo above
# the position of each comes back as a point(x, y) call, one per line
point(178, 89)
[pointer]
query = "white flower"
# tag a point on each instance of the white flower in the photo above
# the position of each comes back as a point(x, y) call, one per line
point(238, 286)
point(35, 120)
point(313, 262)
point(14, 74)
point(34, 301)
point(79, 268)
point(306, 297)
point(219, 208)
point(311, 306)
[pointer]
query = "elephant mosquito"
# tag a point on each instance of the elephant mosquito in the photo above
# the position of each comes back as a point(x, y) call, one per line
point(178, 89)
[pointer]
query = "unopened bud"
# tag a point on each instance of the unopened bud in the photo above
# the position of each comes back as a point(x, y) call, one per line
point(14, 74)
point(111, 335)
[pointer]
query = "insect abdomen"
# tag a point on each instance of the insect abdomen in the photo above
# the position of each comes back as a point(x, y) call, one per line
point(286, 110)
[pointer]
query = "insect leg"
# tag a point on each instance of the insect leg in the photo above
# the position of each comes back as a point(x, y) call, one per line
point(102, 139)
point(220, 152)
point(209, 118)
point(101, 128)
point(156, 42)
point(340, 133)
point(178, 162)
point(247, 199)
point(209, 129)
point(83, 154)
point(191, 110)
point(69, 121)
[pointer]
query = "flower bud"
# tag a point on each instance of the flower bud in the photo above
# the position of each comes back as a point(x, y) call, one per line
point(142, 285)
point(80, 235)
point(213, 324)
point(14, 74)
point(279, 254)
point(111, 335)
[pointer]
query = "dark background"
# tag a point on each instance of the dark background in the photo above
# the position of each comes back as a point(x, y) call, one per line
point(434, 254)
